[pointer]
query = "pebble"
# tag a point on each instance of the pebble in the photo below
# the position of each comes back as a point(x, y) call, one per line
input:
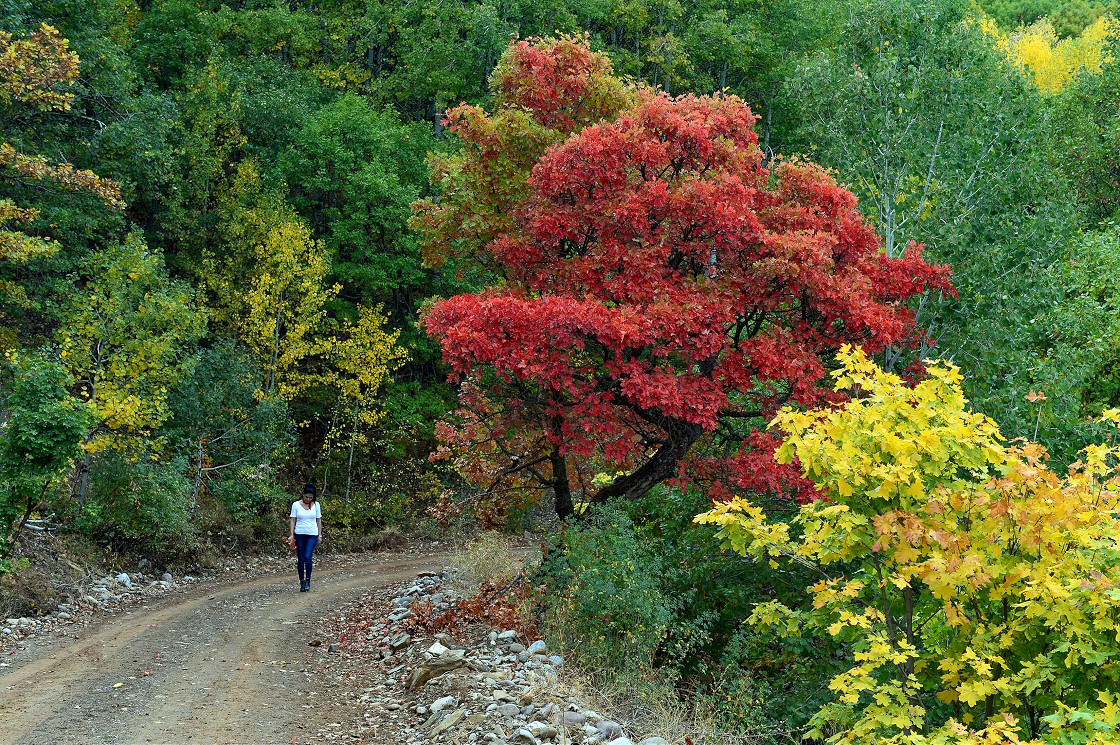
point(442, 703)
point(609, 729)
point(486, 689)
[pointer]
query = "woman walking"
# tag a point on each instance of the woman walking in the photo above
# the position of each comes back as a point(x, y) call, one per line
point(306, 529)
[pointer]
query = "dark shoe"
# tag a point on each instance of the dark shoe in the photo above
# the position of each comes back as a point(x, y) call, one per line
point(308, 581)
point(304, 585)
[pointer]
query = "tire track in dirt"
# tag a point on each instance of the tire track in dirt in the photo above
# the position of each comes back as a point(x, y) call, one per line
point(221, 664)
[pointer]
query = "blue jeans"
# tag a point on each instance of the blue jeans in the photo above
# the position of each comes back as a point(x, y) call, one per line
point(305, 546)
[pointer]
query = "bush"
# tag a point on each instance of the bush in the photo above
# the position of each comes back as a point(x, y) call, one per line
point(143, 504)
point(607, 594)
point(696, 600)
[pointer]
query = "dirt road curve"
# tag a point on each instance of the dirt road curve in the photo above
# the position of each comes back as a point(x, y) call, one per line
point(225, 663)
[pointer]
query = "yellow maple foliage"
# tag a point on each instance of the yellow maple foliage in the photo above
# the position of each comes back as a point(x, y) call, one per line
point(978, 590)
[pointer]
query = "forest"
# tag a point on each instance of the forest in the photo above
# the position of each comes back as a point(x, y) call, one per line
point(791, 328)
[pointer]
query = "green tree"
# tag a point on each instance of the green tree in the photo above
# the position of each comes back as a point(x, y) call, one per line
point(42, 428)
point(126, 339)
point(946, 144)
point(222, 421)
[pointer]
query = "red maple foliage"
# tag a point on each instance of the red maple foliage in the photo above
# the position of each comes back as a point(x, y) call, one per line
point(663, 293)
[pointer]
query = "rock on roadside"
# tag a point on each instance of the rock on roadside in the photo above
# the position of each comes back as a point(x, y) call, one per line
point(482, 686)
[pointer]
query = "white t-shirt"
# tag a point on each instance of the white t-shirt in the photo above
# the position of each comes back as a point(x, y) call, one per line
point(305, 518)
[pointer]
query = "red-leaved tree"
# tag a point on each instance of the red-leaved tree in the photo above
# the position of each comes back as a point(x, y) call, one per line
point(662, 293)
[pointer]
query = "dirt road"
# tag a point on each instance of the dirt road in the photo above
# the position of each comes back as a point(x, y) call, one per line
point(225, 663)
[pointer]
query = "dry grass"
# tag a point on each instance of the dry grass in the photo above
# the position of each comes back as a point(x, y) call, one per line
point(646, 707)
point(491, 557)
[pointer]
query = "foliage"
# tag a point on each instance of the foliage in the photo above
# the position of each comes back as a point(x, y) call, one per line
point(1052, 61)
point(127, 331)
point(497, 605)
point(661, 288)
point(939, 137)
point(31, 73)
point(607, 592)
point(1092, 279)
point(1068, 17)
point(1086, 126)
point(39, 438)
point(542, 93)
point(973, 584)
point(222, 420)
point(142, 502)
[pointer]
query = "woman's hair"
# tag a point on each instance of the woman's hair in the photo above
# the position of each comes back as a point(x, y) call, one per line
point(310, 489)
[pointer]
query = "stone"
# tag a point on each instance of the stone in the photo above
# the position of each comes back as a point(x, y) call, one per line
point(332, 648)
point(166, 577)
point(124, 579)
point(537, 647)
point(508, 710)
point(574, 718)
point(622, 741)
point(438, 650)
point(435, 668)
point(654, 741)
point(543, 730)
point(507, 636)
point(450, 721)
point(446, 640)
point(516, 648)
point(442, 703)
point(609, 729)
point(399, 642)
point(556, 660)
point(524, 735)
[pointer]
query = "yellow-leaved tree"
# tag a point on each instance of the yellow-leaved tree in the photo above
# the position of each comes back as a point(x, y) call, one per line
point(977, 591)
point(283, 316)
point(125, 338)
point(363, 355)
point(1053, 62)
point(31, 72)
point(269, 285)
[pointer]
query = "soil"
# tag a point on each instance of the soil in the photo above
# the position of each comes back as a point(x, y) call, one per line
point(235, 661)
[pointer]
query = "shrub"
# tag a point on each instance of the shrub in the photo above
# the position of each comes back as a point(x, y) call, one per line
point(143, 504)
point(607, 594)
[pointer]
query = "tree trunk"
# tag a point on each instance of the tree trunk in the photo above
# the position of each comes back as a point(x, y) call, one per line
point(350, 461)
point(83, 484)
point(197, 482)
point(663, 465)
point(561, 487)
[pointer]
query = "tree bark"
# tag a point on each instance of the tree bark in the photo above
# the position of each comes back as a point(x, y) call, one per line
point(561, 487)
point(662, 465)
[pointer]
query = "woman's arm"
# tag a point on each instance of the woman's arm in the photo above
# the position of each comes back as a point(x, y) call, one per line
point(319, 526)
point(292, 528)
